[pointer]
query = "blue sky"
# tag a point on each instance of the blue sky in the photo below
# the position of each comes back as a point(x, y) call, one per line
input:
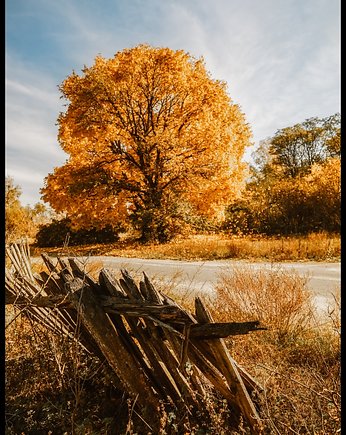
point(279, 58)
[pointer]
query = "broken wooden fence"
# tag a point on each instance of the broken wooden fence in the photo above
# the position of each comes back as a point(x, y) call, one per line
point(157, 350)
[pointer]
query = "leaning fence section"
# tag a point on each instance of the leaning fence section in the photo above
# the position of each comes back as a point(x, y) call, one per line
point(158, 352)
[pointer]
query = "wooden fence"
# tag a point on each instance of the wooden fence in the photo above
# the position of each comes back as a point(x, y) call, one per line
point(157, 351)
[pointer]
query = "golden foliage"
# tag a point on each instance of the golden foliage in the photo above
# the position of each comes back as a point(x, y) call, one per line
point(145, 128)
point(275, 203)
point(19, 221)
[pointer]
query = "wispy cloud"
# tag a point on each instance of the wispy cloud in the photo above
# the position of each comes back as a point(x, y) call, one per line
point(32, 107)
point(280, 59)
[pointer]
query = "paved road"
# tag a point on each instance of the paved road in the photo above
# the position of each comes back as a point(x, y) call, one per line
point(324, 279)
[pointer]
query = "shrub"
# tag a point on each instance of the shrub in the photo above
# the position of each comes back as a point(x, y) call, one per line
point(60, 232)
point(279, 299)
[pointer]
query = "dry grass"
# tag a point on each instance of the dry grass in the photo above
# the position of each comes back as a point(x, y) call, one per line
point(53, 386)
point(278, 298)
point(318, 246)
point(297, 359)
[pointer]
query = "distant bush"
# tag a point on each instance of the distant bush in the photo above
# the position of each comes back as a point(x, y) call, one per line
point(59, 232)
point(290, 206)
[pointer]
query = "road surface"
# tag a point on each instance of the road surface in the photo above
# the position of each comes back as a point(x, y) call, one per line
point(324, 279)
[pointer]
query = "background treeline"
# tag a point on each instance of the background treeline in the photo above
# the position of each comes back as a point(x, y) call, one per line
point(293, 189)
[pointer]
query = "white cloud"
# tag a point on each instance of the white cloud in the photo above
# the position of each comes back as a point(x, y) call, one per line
point(32, 106)
point(280, 59)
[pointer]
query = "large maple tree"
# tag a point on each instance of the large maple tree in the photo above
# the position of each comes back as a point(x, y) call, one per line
point(147, 132)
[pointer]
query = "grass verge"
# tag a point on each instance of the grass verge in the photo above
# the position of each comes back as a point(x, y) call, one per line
point(317, 247)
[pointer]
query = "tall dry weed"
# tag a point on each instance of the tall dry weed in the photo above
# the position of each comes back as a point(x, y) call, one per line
point(278, 298)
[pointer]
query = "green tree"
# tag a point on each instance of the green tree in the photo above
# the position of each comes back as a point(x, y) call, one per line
point(332, 126)
point(147, 131)
point(295, 149)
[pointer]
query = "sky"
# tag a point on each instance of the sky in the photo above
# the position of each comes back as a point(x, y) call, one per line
point(280, 60)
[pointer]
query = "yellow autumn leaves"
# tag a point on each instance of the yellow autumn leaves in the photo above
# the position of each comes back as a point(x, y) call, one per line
point(146, 128)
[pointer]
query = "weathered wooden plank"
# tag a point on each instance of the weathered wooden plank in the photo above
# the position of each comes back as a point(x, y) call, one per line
point(52, 301)
point(78, 270)
point(156, 333)
point(204, 347)
point(221, 330)
point(167, 386)
point(52, 283)
point(49, 263)
point(175, 354)
point(230, 371)
point(161, 312)
point(156, 381)
point(123, 363)
point(184, 346)
point(65, 272)
point(130, 287)
point(114, 288)
point(209, 371)
point(25, 258)
point(152, 294)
